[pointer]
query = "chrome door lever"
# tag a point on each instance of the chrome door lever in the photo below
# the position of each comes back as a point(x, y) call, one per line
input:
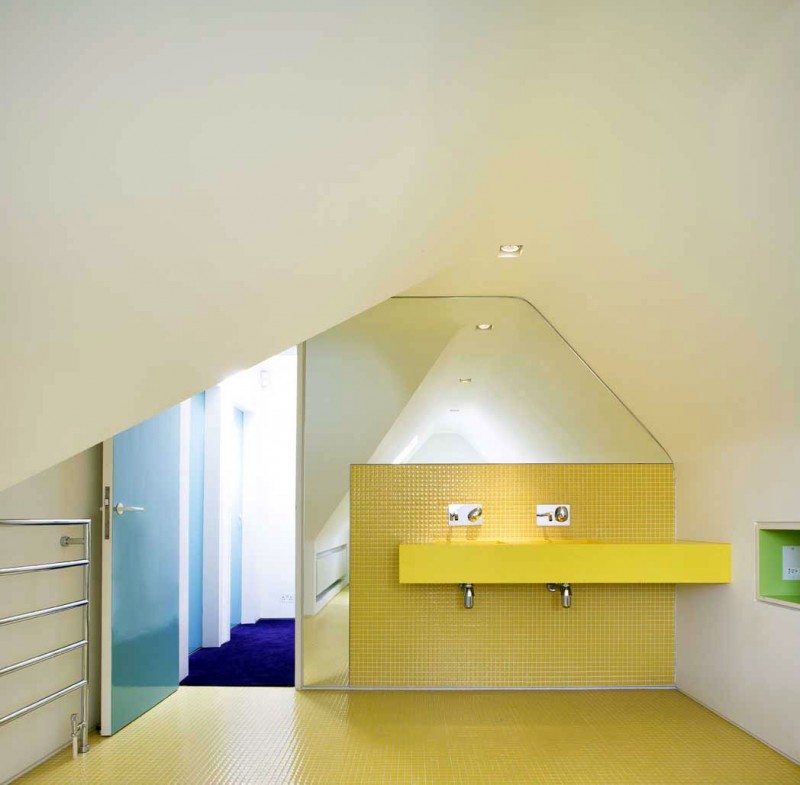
point(120, 508)
point(72, 541)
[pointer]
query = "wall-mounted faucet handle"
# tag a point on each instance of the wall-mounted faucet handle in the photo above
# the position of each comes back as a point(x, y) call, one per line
point(475, 514)
point(548, 515)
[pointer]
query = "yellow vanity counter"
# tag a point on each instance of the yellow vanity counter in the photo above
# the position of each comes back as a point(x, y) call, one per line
point(565, 561)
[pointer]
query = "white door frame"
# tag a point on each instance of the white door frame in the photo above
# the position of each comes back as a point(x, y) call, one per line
point(299, 549)
point(105, 588)
point(216, 534)
point(183, 534)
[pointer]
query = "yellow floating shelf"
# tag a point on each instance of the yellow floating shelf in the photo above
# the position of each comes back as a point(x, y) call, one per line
point(565, 561)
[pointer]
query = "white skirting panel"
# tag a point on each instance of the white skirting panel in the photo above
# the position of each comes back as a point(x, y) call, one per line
point(331, 569)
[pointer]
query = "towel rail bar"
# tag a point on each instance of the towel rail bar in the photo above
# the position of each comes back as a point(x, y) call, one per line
point(56, 565)
point(67, 606)
point(41, 702)
point(44, 522)
point(48, 655)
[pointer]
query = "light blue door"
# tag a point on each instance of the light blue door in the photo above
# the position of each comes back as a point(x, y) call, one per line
point(140, 663)
point(237, 461)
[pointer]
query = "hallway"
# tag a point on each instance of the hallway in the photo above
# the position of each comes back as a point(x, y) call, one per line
point(549, 738)
point(257, 655)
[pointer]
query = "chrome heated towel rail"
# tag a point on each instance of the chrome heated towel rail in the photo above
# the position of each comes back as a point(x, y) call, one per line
point(80, 729)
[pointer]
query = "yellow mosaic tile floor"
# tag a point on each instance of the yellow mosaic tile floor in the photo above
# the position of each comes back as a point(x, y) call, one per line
point(274, 735)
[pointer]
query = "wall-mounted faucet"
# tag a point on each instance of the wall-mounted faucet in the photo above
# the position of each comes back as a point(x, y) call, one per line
point(566, 592)
point(469, 594)
point(465, 514)
point(553, 514)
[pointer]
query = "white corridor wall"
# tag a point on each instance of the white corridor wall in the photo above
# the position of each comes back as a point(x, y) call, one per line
point(267, 394)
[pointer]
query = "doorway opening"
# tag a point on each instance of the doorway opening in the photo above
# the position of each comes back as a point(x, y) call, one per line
point(240, 538)
point(198, 545)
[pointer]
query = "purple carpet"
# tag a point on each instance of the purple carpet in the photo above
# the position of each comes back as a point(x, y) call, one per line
point(257, 655)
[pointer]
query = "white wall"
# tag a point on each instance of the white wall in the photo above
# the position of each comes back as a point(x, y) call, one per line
point(735, 654)
point(71, 489)
point(245, 392)
point(241, 391)
point(216, 525)
point(267, 394)
point(277, 563)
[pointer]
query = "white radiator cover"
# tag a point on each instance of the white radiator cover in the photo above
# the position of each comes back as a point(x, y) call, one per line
point(331, 568)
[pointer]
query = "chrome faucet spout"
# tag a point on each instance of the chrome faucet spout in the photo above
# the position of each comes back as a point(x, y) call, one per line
point(566, 593)
point(469, 595)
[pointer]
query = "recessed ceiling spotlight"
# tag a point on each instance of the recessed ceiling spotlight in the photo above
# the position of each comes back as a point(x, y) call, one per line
point(484, 326)
point(465, 380)
point(510, 251)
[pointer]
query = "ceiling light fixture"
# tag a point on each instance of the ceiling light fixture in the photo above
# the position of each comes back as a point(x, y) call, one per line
point(455, 410)
point(484, 326)
point(510, 251)
point(465, 380)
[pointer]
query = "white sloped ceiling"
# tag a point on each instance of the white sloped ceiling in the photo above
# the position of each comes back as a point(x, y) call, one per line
point(191, 187)
point(660, 221)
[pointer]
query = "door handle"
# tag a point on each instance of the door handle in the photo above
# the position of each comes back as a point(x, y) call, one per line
point(120, 508)
point(106, 510)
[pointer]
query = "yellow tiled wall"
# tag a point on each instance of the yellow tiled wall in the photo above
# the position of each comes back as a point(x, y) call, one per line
point(516, 635)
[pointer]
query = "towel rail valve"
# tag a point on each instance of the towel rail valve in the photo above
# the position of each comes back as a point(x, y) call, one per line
point(76, 729)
